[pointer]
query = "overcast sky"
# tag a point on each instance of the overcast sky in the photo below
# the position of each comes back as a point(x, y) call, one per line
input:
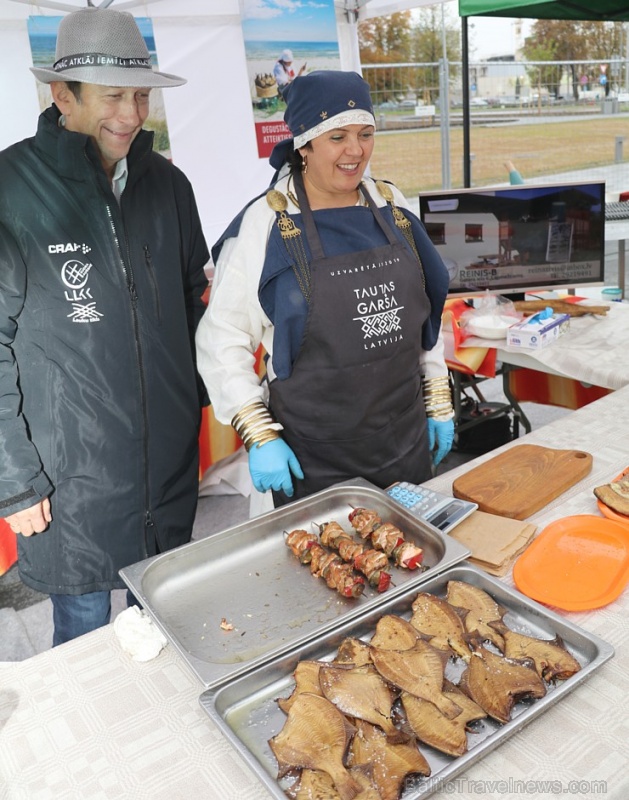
point(494, 36)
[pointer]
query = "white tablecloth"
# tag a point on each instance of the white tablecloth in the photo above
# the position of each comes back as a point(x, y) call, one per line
point(85, 722)
point(595, 350)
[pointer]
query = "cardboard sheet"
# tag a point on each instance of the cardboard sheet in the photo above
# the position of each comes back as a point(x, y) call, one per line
point(494, 541)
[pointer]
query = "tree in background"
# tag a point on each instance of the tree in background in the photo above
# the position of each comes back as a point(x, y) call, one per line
point(426, 36)
point(571, 41)
point(427, 45)
point(540, 76)
point(605, 39)
point(385, 40)
point(408, 38)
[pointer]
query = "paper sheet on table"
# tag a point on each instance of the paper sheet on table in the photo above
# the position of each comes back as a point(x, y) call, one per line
point(494, 541)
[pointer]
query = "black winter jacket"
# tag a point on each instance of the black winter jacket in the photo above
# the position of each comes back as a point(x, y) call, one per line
point(99, 396)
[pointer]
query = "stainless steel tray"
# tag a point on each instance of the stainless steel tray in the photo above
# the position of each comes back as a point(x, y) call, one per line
point(247, 576)
point(246, 710)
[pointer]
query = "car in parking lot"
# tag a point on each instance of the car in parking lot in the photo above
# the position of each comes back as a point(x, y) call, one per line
point(478, 102)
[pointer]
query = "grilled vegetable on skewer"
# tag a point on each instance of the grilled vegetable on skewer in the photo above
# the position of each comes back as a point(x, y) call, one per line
point(323, 564)
point(386, 537)
point(365, 521)
point(373, 564)
point(300, 543)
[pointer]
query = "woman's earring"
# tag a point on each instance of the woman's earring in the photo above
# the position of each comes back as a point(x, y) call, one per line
point(304, 164)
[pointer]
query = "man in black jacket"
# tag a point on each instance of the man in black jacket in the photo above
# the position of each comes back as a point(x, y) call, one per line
point(101, 283)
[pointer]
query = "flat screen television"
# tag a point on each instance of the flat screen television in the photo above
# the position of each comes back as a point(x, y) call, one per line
point(518, 239)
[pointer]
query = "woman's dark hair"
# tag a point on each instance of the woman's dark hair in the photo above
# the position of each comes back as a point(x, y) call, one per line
point(295, 159)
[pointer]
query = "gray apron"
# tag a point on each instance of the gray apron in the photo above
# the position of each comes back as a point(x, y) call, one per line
point(352, 405)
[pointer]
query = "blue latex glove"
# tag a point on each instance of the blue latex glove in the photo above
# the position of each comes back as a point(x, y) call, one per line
point(271, 465)
point(441, 434)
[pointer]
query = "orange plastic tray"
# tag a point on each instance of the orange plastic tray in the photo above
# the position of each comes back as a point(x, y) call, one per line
point(576, 563)
point(608, 512)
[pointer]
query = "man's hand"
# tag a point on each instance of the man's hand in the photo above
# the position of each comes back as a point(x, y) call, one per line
point(31, 520)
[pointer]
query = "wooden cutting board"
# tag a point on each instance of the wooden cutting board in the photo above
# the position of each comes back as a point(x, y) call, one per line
point(523, 479)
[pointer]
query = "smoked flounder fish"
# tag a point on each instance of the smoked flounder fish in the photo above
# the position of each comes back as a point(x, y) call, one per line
point(391, 763)
point(353, 651)
point(433, 728)
point(439, 620)
point(552, 660)
point(316, 736)
point(496, 683)
point(615, 495)
point(361, 692)
point(481, 610)
point(306, 677)
point(394, 633)
point(419, 671)
point(317, 785)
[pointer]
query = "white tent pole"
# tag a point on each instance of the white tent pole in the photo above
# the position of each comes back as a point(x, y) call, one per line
point(348, 35)
point(444, 106)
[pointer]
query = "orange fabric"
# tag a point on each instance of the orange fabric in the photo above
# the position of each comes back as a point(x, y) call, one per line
point(531, 386)
point(469, 360)
point(8, 547)
point(528, 385)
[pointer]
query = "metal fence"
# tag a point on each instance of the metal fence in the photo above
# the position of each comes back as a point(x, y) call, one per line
point(548, 118)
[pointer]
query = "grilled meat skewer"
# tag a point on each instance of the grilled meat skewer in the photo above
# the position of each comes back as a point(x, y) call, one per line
point(386, 537)
point(373, 564)
point(326, 565)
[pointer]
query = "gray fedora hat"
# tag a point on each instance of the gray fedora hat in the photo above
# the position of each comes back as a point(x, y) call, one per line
point(106, 47)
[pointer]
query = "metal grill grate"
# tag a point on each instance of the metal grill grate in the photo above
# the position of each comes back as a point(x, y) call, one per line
point(616, 210)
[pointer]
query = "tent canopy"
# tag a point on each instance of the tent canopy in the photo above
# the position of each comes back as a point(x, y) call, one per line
point(611, 10)
point(596, 10)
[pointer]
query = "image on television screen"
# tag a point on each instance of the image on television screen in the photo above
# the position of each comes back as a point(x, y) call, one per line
point(518, 238)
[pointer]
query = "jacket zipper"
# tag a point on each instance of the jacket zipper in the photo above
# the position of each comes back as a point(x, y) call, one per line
point(131, 287)
point(149, 263)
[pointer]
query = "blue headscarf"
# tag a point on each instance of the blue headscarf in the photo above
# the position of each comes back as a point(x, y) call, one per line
point(318, 102)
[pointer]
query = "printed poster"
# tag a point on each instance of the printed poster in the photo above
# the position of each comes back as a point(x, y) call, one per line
point(42, 34)
point(283, 39)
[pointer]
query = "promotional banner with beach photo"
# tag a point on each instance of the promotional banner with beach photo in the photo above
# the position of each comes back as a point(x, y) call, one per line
point(284, 39)
point(42, 34)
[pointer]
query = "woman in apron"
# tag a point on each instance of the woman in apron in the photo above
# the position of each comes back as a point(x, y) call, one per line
point(339, 282)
